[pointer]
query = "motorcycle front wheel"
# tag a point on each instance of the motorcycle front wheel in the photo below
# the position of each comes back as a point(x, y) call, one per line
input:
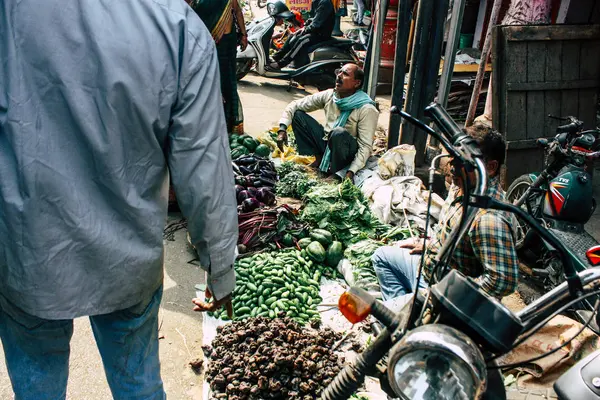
point(514, 192)
point(242, 67)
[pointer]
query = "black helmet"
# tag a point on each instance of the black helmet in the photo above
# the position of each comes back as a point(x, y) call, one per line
point(277, 8)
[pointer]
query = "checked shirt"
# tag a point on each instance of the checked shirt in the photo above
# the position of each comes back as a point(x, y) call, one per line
point(487, 252)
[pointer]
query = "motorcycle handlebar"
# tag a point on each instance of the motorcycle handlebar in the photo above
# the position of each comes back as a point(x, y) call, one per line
point(458, 144)
point(444, 122)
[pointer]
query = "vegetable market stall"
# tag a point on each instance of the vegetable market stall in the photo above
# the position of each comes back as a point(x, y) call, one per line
point(287, 275)
point(295, 261)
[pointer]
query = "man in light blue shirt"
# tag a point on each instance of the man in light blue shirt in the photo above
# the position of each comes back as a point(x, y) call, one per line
point(99, 102)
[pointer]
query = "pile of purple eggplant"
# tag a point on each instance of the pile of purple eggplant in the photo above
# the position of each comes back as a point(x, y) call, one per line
point(255, 180)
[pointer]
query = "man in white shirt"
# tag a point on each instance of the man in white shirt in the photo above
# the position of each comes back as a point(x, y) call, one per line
point(346, 140)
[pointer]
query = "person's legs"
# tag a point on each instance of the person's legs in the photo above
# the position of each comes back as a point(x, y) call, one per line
point(36, 352)
point(343, 147)
point(285, 49)
point(297, 47)
point(360, 11)
point(397, 271)
point(309, 135)
point(226, 52)
point(128, 344)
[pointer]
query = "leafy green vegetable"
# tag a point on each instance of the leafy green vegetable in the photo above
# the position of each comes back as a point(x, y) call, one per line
point(343, 210)
point(359, 255)
point(295, 184)
point(288, 167)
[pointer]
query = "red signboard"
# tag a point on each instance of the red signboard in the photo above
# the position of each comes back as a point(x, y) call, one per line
point(299, 5)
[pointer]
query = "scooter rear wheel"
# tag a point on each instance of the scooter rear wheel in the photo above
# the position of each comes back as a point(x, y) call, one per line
point(242, 67)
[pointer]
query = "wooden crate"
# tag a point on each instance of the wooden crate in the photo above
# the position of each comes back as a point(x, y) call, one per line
point(541, 70)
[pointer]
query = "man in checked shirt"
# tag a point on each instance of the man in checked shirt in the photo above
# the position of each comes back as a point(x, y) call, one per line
point(487, 253)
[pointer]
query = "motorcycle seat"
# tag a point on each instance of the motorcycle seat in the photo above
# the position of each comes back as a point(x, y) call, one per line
point(335, 42)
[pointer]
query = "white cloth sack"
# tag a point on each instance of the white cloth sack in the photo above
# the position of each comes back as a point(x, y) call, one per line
point(398, 161)
point(391, 198)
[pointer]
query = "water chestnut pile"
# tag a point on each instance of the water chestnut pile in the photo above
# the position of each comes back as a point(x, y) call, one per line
point(262, 358)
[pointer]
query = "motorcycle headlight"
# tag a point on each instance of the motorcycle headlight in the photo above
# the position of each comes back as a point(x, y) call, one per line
point(437, 362)
point(271, 9)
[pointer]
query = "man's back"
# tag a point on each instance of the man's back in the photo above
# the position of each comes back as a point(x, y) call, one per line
point(90, 92)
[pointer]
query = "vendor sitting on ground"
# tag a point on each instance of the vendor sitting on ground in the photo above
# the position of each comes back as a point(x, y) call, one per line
point(486, 252)
point(346, 140)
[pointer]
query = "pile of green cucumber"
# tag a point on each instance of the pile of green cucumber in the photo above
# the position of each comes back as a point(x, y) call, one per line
point(270, 283)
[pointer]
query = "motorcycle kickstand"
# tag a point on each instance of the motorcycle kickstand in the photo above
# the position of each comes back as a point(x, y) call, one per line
point(292, 84)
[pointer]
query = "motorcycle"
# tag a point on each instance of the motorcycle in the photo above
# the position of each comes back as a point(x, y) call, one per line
point(446, 341)
point(316, 69)
point(560, 197)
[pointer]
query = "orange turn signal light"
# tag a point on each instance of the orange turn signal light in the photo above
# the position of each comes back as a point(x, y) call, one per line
point(354, 308)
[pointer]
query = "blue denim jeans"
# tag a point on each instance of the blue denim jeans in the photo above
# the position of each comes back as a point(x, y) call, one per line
point(37, 351)
point(397, 271)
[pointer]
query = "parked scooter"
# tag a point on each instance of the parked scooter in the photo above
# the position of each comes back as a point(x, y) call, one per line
point(446, 342)
point(560, 197)
point(318, 70)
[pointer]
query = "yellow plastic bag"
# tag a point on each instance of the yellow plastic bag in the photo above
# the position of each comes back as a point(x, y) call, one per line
point(289, 154)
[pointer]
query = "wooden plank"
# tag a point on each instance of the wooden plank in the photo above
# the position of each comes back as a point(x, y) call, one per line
point(553, 61)
point(519, 162)
point(524, 144)
point(536, 61)
point(536, 73)
point(560, 85)
point(553, 32)
point(465, 68)
point(498, 93)
point(588, 99)
point(570, 72)
point(589, 67)
point(552, 106)
point(569, 103)
point(516, 71)
point(571, 53)
point(478, 36)
point(552, 98)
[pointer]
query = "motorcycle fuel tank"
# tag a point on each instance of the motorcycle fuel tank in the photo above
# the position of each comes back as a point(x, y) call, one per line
point(569, 197)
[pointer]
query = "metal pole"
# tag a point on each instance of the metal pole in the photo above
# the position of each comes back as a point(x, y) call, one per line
point(458, 9)
point(367, 60)
point(402, 35)
point(420, 53)
point(485, 53)
point(436, 39)
point(440, 13)
point(376, 49)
